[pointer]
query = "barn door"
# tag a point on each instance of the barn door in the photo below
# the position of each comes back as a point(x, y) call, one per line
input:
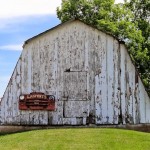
point(76, 105)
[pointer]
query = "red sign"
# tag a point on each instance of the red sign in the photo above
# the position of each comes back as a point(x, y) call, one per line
point(37, 101)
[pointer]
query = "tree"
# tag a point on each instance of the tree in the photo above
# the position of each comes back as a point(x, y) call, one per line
point(122, 20)
point(141, 15)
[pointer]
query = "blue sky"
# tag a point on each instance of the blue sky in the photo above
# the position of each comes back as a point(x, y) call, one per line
point(19, 21)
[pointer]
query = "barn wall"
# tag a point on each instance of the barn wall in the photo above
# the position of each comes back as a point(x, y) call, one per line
point(129, 89)
point(9, 105)
point(135, 102)
point(144, 104)
point(89, 73)
point(107, 82)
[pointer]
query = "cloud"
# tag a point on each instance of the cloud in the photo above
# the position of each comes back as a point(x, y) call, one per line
point(16, 8)
point(3, 83)
point(15, 47)
point(4, 78)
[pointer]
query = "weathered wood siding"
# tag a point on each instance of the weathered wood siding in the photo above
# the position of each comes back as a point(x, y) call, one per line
point(90, 74)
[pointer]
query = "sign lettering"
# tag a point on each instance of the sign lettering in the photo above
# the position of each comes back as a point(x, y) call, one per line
point(37, 101)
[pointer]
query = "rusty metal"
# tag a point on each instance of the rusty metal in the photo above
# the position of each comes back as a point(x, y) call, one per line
point(37, 101)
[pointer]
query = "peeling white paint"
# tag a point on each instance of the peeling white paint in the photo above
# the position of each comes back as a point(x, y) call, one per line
point(90, 74)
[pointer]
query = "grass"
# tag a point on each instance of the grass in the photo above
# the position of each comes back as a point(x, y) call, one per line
point(76, 139)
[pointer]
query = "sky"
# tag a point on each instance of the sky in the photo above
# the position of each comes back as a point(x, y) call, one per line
point(19, 21)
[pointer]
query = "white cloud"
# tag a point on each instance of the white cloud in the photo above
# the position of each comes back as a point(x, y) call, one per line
point(4, 78)
point(3, 83)
point(15, 47)
point(16, 8)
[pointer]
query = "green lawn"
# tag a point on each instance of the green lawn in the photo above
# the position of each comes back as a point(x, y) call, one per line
point(76, 139)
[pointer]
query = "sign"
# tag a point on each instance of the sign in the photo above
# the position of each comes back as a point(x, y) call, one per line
point(37, 101)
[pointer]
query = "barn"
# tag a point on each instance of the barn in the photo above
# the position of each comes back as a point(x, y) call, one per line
point(74, 74)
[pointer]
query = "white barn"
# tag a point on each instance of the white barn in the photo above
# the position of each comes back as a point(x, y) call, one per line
point(90, 74)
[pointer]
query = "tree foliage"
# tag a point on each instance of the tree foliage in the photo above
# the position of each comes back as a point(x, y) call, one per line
point(129, 22)
point(141, 15)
